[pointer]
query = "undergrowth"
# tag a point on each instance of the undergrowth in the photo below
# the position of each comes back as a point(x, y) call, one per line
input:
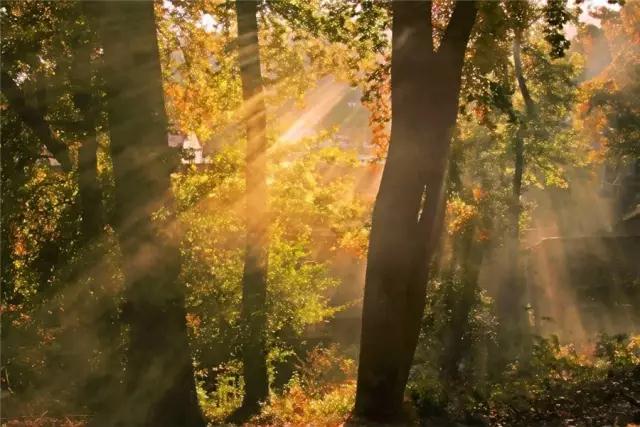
point(555, 386)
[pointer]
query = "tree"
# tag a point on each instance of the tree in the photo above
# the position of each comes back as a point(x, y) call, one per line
point(86, 100)
point(159, 383)
point(254, 279)
point(610, 107)
point(513, 144)
point(509, 302)
point(408, 211)
point(68, 54)
point(309, 215)
point(47, 81)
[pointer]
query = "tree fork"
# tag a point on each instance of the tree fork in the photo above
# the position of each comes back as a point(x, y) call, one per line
point(405, 233)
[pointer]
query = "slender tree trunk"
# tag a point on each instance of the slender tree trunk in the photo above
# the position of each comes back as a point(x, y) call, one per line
point(408, 213)
point(159, 382)
point(530, 107)
point(462, 301)
point(254, 280)
point(89, 190)
point(467, 256)
point(519, 140)
point(511, 310)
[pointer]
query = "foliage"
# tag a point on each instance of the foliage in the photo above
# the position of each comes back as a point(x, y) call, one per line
point(557, 385)
point(610, 107)
point(220, 390)
point(563, 384)
point(54, 289)
point(310, 214)
point(321, 393)
point(427, 387)
point(200, 64)
point(61, 296)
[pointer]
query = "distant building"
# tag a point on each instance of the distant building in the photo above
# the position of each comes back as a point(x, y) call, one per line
point(192, 150)
point(47, 158)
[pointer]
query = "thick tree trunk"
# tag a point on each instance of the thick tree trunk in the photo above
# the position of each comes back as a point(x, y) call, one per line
point(254, 280)
point(160, 387)
point(408, 213)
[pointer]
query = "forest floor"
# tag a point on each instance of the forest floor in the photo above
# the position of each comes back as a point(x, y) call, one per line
point(560, 388)
point(613, 401)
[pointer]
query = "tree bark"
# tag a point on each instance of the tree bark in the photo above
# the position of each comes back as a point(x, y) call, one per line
point(254, 280)
point(159, 383)
point(89, 190)
point(519, 140)
point(408, 212)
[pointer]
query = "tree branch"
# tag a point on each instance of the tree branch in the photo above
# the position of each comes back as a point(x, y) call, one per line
point(413, 16)
point(456, 36)
point(522, 83)
point(34, 118)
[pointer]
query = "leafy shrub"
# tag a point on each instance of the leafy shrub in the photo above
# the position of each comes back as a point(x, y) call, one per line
point(321, 393)
point(220, 390)
point(432, 393)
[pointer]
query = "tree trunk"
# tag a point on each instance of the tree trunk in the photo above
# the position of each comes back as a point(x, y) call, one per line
point(519, 140)
point(89, 190)
point(159, 383)
point(516, 209)
point(511, 310)
point(254, 280)
point(462, 302)
point(408, 212)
